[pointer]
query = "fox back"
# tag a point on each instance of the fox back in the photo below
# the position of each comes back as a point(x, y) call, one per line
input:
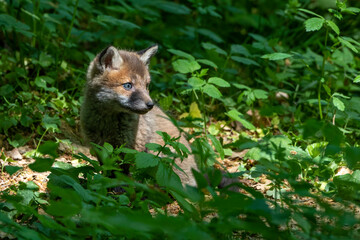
point(118, 109)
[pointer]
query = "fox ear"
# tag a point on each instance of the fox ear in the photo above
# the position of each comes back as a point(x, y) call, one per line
point(110, 58)
point(147, 53)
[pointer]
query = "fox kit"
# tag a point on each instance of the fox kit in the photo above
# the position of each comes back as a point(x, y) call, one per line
point(117, 107)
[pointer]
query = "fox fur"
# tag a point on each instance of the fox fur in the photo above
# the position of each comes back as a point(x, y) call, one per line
point(118, 109)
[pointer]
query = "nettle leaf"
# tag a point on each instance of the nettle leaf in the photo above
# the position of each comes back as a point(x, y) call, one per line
point(276, 56)
point(210, 34)
point(239, 49)
point(196, 82)
point(235, 115)
point(207, 62)
point(45, 60)
point(219, 82)
point(185, 66)
point(212, 91)
point(245, 61)
point(181, 54)
point(357, 79)
point(145, 160)
point(338, 104)
point(314, 24)
point(51, 123)
point(50, 148)
point(352, 10)
point(333, 26)
point(260, 94)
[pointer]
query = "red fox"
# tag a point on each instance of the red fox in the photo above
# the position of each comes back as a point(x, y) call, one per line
point(118, 109)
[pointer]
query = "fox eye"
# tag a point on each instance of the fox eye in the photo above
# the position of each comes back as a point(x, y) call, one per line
point(127, 86)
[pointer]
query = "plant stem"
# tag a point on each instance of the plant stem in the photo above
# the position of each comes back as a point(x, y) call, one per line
point(322, 74)
point(37, 147)
point(204, 114)
point(72, 20)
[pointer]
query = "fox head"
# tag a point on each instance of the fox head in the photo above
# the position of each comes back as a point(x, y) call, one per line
point(119, 79)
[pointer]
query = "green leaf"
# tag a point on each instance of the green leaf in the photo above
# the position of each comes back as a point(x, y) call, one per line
point(185, 66)
point(210, 46)
point(219, 148)
point(51, 123)
point(338, 104)
point(6, 90)
point(210, 34)
point(18, 140)
point(235, 115)
point(172, 7)
point(276, 56)
point(260, 94)
point(212, 91)
point(239, 49)
point(245, 61)
point(218, 82)
point(12, 169)
point(196, 82)
point(310, 12)
point(45, 60)
point(348, 44)
point(352, 10)
point(314, 24)
point(50, 148)
point(333, 26)
point(207, 62)
point(42, 164)
point(241, 86)
point(117, 22)
point(357, 79)
point(181, 54)
point(144, 160)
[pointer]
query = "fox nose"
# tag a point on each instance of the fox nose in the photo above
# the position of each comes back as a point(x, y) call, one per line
point(150, 105)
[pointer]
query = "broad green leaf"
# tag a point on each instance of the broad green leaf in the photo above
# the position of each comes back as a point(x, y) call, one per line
point(235, 115)
point(49, 148)
point(212, 91)
point(338, 104)
point(314, 24)
point(196, 82)
point(348, 44)
point(42, 164)
point(144, 160)
point(51, 123)
point(333, 26)
point(217, 145)
point(181, 54)
point(6, 90)
point(245, 61)
point(153, 147)
point(260, 94)
point(357, 79)
point(276, 56)
point(239, 49)
point(207, 62)
point(12, 169)
point(45, 60)
point(185, 66)
point(219, 82)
